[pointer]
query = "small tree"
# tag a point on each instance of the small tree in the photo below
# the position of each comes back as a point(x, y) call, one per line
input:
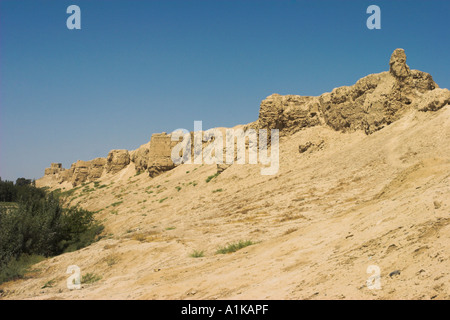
point(23, 182)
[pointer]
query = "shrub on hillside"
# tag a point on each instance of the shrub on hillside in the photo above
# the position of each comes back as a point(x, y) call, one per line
point(41, 226)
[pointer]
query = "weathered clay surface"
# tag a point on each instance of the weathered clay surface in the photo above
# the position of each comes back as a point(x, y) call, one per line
point(117, 160)
point(370, 104)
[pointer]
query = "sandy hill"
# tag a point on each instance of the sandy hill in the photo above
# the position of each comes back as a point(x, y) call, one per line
point(364, 180)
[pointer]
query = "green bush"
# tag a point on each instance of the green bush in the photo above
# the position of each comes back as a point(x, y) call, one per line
point(10, 192)
point(17, 268)
point(39, 225)
point(233, 247)
point(197, 254)
point(90, 278)
point(212, 177)
point(115, 204)
point(68, 193)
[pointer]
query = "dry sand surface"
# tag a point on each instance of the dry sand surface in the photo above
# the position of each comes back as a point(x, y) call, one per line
point(318, 224)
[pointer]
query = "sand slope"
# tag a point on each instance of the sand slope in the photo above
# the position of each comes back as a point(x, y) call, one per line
point(382, 199)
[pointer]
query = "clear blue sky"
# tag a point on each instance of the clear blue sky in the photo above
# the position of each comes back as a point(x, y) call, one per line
point(139, 67)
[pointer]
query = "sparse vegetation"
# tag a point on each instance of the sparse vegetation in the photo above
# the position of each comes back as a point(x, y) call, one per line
point(178, 188)
point(193, 183)
point(115, 204)
point(143, 236)
point(111, 260)
point(212, 177)
point(67, 193)
point(88, 190)
point(233, 247)
point(163, 199)
point(16, 268)
point(217, 190)
point(89, 278)
point(49, 284)
point(197, 254)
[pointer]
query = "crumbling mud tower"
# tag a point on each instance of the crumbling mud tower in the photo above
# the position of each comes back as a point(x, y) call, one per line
point(160, 151)
point(55, 168)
